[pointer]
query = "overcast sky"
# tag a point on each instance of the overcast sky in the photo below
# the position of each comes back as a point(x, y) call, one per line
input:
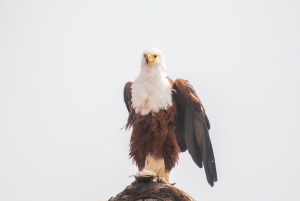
point(63, 66)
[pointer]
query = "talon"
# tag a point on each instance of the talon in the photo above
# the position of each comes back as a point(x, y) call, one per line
point(163, 181)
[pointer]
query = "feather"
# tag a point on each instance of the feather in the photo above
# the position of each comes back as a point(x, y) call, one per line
point(190, 137)
point(207, 122)
point(180, 136)
point(127, 95)
point(193, 126)
point(203, 140)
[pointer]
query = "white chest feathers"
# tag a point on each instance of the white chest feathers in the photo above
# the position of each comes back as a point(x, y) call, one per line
point(151, 92)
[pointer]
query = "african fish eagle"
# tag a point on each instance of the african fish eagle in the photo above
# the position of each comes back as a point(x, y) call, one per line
point(167, 118)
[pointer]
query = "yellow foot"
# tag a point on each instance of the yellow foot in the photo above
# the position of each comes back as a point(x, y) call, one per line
point(162, 181)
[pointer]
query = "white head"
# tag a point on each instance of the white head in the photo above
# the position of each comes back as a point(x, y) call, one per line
point(153, 59)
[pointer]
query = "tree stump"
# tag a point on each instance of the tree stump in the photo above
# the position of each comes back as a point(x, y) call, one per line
point(152, 191)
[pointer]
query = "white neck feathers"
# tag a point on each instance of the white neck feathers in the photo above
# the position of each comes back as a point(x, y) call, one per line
point(151, 90)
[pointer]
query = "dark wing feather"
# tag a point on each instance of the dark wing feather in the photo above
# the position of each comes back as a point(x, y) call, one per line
point(192, 90)
point(203, 140)
point(190, 137)
point(127, 95)
point(180, 131)
point(207, 122)
point(193, 126)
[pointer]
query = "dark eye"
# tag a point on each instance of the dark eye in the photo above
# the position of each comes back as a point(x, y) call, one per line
point(155, 56)
point(144, 55)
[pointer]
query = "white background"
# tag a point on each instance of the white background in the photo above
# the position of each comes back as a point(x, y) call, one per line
point(63, 66)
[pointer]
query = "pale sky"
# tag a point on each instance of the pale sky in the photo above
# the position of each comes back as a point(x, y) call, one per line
point(63, 66)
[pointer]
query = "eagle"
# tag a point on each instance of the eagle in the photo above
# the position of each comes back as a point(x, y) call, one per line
point(166, 118)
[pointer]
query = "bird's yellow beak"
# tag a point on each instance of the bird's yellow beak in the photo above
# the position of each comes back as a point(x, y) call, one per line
point(150, 58)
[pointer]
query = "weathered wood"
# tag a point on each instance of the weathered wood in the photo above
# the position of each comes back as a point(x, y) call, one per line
point(152, 191)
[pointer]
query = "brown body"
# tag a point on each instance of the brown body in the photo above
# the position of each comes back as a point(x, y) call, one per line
point(164, 134)
point(154, 134)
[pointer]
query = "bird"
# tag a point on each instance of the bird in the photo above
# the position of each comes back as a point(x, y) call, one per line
point(167, 118)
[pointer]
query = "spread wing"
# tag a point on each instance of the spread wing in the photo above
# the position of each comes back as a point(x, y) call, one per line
point(127, 95)
point(192, 128)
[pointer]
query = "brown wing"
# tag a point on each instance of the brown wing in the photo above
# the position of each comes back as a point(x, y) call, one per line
point(127, 95)
point(192, 128)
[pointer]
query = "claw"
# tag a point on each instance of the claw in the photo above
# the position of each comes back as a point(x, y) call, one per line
point(162, 181)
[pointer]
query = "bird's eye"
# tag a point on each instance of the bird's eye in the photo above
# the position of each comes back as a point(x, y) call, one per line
point(155, 56)
point(144, 55)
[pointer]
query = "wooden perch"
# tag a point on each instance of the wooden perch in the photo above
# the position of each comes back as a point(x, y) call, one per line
point(152, 191)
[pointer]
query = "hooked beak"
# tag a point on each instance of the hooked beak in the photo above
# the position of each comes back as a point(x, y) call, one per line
point(147, 59)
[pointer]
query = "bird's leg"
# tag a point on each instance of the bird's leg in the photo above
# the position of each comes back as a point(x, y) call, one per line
point(167, 177)
point(167, 174)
